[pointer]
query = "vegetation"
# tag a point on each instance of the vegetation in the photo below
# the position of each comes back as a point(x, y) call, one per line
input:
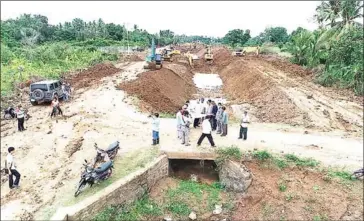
point(227, 153)
point(177, 201)
point(30, 46)
point(336, 48)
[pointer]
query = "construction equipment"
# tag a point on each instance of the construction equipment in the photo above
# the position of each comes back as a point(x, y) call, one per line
point(153, 61)
point(167, 54)
point(208, 55)
point(238, 53)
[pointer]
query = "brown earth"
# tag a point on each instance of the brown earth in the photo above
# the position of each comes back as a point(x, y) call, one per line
point(307, 196)
point(161, 90)
point(92, 76)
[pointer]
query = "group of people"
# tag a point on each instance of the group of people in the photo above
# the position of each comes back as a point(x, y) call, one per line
point(208, 114)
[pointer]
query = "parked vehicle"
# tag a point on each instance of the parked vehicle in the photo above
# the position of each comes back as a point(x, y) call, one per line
point(110, 152)
point(45, 91)
point(357, 174)
point(91, 175)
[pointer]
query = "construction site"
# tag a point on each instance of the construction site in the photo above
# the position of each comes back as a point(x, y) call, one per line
point(292, 118)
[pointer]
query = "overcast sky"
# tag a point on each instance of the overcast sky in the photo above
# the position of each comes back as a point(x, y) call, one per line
point(191, 18)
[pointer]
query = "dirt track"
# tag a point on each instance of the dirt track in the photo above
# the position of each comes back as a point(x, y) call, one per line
point(291, 113)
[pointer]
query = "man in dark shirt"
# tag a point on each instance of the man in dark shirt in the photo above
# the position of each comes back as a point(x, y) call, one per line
point(214, 112)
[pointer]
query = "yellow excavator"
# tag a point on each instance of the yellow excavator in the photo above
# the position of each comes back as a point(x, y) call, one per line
point(209, 57)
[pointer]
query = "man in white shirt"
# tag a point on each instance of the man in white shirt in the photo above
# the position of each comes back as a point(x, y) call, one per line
point(185, 128)
point(244, 126)
point(206, 132)
point(10, 164)
point(179, 121)
point(155, 128)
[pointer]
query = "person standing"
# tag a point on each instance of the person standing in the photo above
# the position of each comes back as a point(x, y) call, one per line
point(20, 116)
point(155, 128)
point(198, 113)
point(224, 122)
point(68, 89)
point(244, 126)
point(206, 132)
point(185, 128)
point(214, 112)
point(55, 106)
point(179, 121)
point(219, 119)
point(64, 91)
point(10, 164)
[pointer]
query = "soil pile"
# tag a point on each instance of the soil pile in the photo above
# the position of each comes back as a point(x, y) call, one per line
point(286, 66)
point(92, 75)
point(130, 57)
point(161, 90)
point(244, 83)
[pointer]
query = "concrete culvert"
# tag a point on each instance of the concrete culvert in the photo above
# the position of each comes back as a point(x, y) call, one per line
point(204, 171)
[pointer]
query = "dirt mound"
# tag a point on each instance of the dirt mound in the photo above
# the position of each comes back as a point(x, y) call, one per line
point(130, 57)
point(161, 90)
point(91, 76)
point(286, 66)
point(246, 84)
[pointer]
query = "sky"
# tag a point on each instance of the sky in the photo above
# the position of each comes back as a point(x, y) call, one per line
point(210, 18)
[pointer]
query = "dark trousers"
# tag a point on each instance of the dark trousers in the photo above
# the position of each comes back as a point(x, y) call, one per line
point(196, 122)
point(54, 111)
point(21, 124)
point(17, 178)
point(209, 137)
point(213, 123)
point(224, 129)
point(243, 132)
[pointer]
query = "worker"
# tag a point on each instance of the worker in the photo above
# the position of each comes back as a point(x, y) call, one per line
point(185, 128)
point(179, 122)
point(219, 118)
point(224, 122)
point(206, 132)
point(244, 126)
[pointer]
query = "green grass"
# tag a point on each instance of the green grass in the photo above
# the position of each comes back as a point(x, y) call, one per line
point(47, 61)
point(179, 202)
point(282, 187)
point(304, 162)
point(343, 175)
point(273, 49)
point(123, 166)
point(228, 153)
point(262, 155)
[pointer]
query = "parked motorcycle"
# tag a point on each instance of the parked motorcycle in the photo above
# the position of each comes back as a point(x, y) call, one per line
point(357, 174)
point(106, 155)
point(91, 175)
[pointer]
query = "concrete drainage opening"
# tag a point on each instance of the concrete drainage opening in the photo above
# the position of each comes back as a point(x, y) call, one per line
point(203, 171)
point(167, 189)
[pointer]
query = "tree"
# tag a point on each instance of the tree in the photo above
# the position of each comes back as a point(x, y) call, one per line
point(276, 34)
point(237, 37)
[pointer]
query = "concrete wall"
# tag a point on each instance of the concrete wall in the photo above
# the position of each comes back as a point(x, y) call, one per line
point(123, 191)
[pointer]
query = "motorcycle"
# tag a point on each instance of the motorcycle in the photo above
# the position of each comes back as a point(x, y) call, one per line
point(108, 154)
point(357, 174)
point(91, 175)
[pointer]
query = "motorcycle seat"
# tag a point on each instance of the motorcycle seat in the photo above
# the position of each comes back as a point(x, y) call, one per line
point(112, 146)
point(103, 167)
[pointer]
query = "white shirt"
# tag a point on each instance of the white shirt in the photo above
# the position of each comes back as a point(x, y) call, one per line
point(155, 124)
point(179, 118)
point(10, 161)
point(206, 127)
point(20, 113)
point(245, 120)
